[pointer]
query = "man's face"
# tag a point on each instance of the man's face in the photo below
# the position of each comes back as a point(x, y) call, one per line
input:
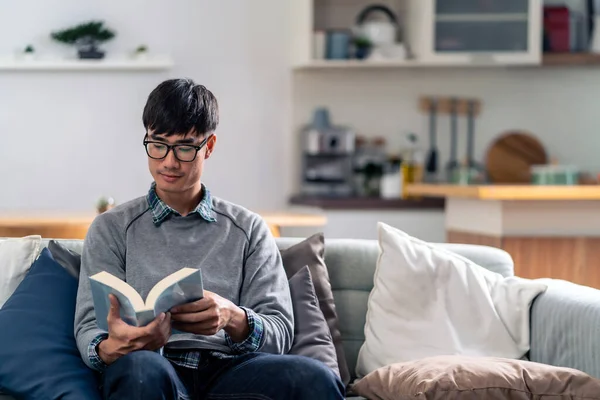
point(173, 173)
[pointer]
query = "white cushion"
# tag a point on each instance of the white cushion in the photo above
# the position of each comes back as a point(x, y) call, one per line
point(16, 257)
point(427, 301)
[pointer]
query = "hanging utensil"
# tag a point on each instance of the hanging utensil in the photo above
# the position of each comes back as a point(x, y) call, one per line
point(470, 133)
point(478, 170)
point(432, 158)
point(453, 163)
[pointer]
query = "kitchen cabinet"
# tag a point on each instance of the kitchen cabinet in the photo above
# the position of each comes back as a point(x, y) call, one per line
point(475, 32)
point(434, 32)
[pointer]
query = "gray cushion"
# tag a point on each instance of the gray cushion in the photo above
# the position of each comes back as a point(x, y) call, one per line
point(310, 252)
point(70, 260)
point(311, 333)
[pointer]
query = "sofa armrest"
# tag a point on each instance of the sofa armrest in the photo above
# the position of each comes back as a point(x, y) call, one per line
point(565, 327)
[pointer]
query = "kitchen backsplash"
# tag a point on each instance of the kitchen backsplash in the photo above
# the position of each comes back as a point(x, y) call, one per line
point(557, 106)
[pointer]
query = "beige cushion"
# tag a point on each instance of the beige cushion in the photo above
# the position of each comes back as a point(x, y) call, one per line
point(463, 377)
point(16, 257)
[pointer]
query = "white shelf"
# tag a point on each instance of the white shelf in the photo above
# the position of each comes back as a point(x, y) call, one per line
point(548, 60)
point(355, 64)
point(381, 64)
point(107, 64)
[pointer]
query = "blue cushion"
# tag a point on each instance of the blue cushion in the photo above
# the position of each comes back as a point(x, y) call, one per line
point(39, 358)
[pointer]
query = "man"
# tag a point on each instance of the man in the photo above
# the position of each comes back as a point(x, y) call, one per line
point(234, 340)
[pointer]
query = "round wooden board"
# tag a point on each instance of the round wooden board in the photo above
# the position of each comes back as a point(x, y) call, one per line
point(511, 156)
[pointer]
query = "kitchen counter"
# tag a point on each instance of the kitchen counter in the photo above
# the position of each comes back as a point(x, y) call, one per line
point(507, 192)
point(63, 225)
point(550, 231)
point(356, 217)
point(367, 203)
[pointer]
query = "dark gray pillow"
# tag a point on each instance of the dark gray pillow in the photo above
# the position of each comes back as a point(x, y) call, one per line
point(311, 333)
point(311, 252)
point(70, 260)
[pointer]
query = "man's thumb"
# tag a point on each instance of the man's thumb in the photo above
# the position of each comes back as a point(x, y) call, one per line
point(114, 307)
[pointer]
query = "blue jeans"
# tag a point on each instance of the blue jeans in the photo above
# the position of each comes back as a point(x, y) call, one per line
point(147, 375)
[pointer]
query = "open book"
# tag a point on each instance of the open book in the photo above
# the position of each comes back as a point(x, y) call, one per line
point(183, 286)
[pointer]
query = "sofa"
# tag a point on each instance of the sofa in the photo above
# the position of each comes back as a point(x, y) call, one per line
point(565, 320)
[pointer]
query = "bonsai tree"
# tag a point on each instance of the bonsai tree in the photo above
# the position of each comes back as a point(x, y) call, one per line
point(86, 37)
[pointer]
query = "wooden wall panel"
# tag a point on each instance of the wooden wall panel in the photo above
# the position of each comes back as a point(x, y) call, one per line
point(46, 231)
point(545, 257)
point(474, 238)
point(592, 260)
point(575, 259)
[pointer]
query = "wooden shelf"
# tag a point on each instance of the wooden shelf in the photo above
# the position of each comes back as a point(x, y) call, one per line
point(367, 203)
point(107, 64)
point(507, 192)
point(63, 225)
point(566, 59)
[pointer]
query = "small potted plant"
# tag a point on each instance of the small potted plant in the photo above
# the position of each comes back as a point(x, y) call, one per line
point(86, 37)
point(105, 204)
point(29, 53)
point(362, 47)
point(141, 53)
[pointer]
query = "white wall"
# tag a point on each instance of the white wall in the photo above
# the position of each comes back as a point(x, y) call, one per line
point(68, 138)
point(426, 225)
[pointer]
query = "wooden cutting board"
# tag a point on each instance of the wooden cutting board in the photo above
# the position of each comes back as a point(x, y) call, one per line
point(511, 156)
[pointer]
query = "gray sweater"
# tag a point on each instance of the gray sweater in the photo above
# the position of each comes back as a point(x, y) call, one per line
point(238, 256)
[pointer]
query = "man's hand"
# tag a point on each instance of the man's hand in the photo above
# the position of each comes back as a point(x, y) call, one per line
point(209, 315)
point(124, 338)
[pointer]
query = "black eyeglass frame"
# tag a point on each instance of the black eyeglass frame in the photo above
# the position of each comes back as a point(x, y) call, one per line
point(173, 146)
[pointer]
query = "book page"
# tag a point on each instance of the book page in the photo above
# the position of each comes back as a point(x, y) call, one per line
point(181, 288)
point(122, 287)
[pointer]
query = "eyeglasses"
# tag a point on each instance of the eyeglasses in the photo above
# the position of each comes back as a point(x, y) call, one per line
point(183, 152)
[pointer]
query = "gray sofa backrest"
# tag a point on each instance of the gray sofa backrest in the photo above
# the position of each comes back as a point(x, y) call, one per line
point(351, 264)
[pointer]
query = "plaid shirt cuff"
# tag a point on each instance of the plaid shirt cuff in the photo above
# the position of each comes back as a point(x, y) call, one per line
point(253, 341)
point(95, 359)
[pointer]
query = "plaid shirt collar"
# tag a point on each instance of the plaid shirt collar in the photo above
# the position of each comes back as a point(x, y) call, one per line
point(160, 210)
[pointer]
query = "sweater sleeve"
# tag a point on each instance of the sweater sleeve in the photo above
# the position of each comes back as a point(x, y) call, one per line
point(103, 250)
point(265, 295)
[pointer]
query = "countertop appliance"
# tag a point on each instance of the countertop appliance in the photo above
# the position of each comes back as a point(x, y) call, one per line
point(327, 155)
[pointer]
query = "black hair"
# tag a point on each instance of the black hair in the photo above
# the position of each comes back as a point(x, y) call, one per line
point(180, 106)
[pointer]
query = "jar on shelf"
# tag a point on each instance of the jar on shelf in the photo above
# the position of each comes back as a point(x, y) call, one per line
point(369, 161)
point(391, 181)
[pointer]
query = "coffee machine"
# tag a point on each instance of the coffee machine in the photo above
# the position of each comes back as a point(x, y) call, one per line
point(327, 157)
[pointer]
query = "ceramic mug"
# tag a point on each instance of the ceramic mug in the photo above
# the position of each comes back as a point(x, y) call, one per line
point(338, 44)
